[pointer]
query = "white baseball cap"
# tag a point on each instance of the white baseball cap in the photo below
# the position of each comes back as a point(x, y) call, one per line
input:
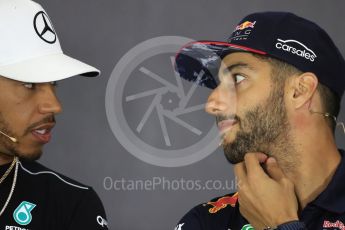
point(30, 50)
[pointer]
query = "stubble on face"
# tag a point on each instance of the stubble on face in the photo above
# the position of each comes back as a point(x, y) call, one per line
point(10, 149)
point(265, 129)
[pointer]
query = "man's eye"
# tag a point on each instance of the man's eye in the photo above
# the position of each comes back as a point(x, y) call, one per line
point(238, 78)
point(29, 85)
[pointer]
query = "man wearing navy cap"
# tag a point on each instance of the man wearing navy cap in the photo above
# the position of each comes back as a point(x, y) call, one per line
point(276, 100)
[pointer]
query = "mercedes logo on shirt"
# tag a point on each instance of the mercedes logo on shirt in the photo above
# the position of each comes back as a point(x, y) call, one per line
point(44, 27)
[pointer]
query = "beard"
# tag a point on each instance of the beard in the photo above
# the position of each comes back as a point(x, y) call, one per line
point(10, 148)
point(263, 129)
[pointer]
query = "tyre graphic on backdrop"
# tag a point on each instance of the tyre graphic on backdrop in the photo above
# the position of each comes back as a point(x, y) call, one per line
point(155, 115)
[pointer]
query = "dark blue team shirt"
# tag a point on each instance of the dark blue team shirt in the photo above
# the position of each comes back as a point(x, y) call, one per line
point(326, 212)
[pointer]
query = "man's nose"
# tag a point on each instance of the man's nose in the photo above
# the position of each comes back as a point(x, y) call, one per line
point(216, 103)
point(222, 100)
point(49, 103)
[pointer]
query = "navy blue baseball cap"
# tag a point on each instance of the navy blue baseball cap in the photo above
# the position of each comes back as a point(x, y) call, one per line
point(281, 35)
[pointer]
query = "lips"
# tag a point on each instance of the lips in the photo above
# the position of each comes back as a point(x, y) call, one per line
point(226, 125)
point(42, 133)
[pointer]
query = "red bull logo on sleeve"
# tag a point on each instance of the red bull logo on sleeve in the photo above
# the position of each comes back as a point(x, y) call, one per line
point(223, 202)
point(338, 224)
point(245, 25)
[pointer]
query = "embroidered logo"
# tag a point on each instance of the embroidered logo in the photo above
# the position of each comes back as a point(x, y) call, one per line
point(338, 224)
point(242, 31)
point(245, 25)
point(44, 27)
point(297, 48)
point(101, 221)
point(22, 214)
point(223, 202)
point(179, 226)
point(247, 227)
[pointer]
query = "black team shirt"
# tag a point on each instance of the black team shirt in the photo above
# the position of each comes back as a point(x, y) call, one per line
point(46, 200)
point(326, 212)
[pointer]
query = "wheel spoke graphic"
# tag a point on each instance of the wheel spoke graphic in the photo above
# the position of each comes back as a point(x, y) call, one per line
point(159, 79)
point(182, 123)
point(148, 113)
point(146, 93)
point(186, 99)
point(160, 110)
point(178, 78)
point(184, 142)
point(189, 109)
point(163, 125)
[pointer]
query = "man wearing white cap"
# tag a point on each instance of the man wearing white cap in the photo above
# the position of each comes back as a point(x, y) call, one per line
point(31, 61)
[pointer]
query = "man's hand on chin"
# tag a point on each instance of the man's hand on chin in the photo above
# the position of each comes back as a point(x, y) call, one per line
point(266, 199)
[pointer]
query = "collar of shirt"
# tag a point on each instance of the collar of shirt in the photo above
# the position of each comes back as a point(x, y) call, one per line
point(333, 197)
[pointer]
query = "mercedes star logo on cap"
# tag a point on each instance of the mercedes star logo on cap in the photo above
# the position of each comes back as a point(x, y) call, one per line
point(44, 27)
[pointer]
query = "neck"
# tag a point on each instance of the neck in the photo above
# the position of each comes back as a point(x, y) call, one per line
point(5, 159)
point(316, 160)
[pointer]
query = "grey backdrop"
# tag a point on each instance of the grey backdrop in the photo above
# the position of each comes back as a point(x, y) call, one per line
point(100, 32)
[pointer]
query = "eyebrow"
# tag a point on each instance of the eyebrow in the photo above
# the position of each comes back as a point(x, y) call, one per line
point(236, 65)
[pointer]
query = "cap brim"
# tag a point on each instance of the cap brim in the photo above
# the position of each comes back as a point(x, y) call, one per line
point(47, 68)
point(205, 57)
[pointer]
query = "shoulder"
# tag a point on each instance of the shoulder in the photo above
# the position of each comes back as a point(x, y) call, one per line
point(214, 214)
point(82, 206)
point(37, 173)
